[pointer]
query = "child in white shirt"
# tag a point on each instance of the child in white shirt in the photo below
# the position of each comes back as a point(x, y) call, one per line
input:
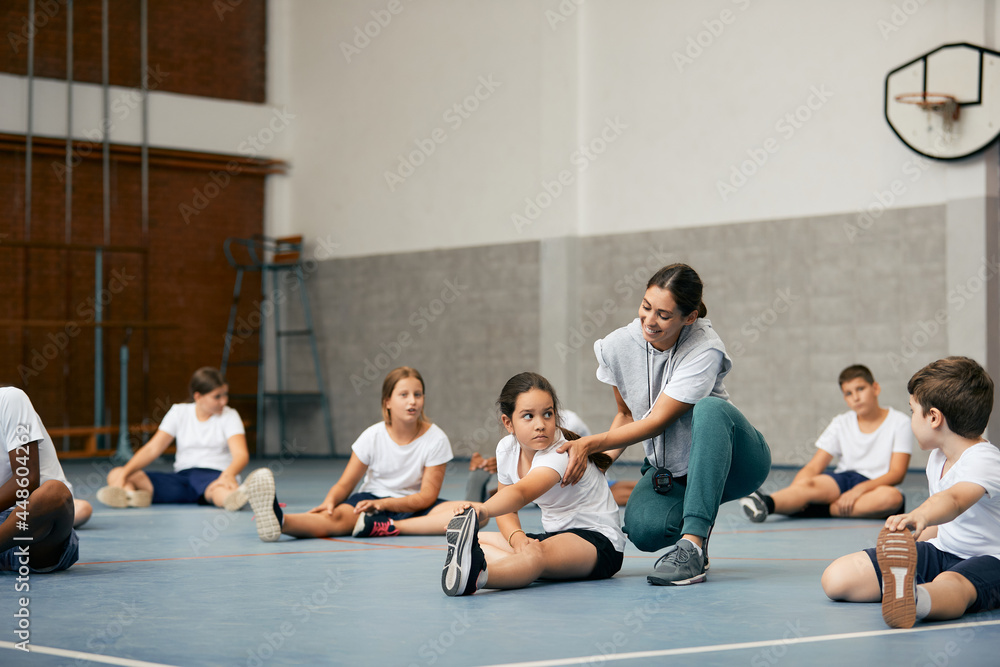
point(211, 453)
point(582, 539)
point(873, 444)
point(955, 568)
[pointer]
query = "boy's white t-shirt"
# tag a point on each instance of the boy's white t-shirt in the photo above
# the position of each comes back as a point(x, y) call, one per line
point(867, 453)
point(201, 444)
point(588, 504)
point(19, 425)
point(394, 470)
point(976, 531)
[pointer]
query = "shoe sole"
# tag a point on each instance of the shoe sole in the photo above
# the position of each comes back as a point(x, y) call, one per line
point(697, 579)
point(139, 498)
point(753, 512)
point(459, 533)
point(896, 553)
point(236, 500)
point(359, 526)
point(113, 496)
point(260, 492)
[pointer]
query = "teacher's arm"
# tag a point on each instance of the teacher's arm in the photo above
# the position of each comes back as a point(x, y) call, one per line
point(625, 431)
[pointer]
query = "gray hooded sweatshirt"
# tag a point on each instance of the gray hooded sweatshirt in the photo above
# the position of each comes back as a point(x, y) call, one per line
point(641, 372)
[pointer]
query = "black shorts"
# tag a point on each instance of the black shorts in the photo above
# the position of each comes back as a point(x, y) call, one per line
point(355, 498)
point(609, 560)
point(983, 572)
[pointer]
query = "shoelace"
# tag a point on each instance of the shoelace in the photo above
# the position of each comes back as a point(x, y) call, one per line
point(380, 528)
point(675, 555)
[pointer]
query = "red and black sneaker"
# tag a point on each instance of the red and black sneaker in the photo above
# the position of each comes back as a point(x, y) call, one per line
point(374, 525)
point(465, 565)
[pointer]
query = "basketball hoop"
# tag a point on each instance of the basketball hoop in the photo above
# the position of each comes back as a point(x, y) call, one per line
point(946, 105)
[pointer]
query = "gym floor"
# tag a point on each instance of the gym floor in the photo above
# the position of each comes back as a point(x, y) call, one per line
point(173, 585)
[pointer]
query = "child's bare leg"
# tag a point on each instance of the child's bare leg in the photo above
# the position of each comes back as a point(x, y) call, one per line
point(81, 512)
point(852, 578)
point(433, 523)
point(50, 521)
point(494, 547)
point(217, 491)
point(565, 556)
point(879, 503)
point(321, 524)
point(951, 596)
point(794, 498)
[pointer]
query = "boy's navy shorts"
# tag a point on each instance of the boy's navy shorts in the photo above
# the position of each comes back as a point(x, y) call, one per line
point(847, 480)
point(609, 561)
point(983, 572)
point(10, 561)
point(186, 486)
point(355, 498)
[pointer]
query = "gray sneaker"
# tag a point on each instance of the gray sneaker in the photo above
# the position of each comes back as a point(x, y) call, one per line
point(680, 566)
point(754, 507)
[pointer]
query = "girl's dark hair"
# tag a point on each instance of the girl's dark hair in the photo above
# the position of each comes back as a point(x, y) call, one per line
point(205, 380)
point(683, 282)
point(524, 382)
point(389, 384)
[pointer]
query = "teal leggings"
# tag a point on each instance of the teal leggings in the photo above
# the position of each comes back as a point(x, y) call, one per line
point(729, 459)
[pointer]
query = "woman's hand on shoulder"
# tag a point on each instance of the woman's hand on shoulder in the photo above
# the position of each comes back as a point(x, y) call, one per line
point(578, 451)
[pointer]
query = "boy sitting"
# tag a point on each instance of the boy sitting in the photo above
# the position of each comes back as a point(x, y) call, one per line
point(874, 446)
point(36, 505)
point(958, 568)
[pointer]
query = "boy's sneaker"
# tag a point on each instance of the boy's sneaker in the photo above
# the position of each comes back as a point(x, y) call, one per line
point(374, 525)
point(754, 507)
point(680, 566)
point(260, 492)
point(896, 553)
point(465, 565)
point(236, 500)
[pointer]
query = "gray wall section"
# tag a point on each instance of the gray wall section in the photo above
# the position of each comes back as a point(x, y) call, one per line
point(467, 319)
point(795, 301)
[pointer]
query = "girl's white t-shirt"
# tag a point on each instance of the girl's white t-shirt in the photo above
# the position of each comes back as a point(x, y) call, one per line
point(201, 444)
point(588, 504)
point(867, 453)
point(394, 470)
point(976, 531)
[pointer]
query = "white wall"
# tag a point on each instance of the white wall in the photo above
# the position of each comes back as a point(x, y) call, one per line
point(569, 72)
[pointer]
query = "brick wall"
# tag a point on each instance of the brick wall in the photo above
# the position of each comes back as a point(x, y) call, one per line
point(196, 47)
point(189, 282)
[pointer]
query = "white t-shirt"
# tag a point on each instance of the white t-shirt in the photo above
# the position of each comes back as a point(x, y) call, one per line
point(394, 470)
point(587, 504)
point(19, 425)
point(201, 444)
point(976, 531)
point(867, 453)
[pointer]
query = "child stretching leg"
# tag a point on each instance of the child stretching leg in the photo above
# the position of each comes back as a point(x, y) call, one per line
point(582, 538)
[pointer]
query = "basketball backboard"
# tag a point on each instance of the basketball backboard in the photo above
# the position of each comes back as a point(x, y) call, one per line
point(967, 79)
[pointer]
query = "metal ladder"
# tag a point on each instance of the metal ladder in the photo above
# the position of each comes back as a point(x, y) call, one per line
point(271, 257)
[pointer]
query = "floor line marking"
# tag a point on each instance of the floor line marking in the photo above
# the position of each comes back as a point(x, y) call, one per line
point(742, 646)
point(80, 655)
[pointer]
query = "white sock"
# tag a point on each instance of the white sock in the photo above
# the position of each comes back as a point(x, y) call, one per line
point(923, 603)
point(700, 552)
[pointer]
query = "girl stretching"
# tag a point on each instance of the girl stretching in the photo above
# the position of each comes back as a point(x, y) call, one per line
point(211, 452)
point(582, 538)
point(402, 459)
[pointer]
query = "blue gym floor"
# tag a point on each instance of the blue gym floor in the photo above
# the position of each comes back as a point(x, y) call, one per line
point(173, 585)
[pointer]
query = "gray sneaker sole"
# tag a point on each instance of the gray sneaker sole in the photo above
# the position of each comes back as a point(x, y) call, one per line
point(459, 534)
point(260, 491)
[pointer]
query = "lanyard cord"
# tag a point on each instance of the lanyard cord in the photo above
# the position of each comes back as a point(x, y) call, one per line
point(649, 398)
